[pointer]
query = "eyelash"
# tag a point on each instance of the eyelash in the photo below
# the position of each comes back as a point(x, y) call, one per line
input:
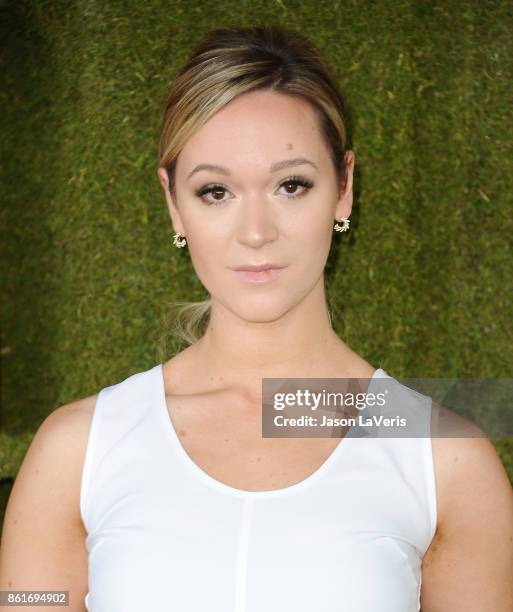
point(294, 180)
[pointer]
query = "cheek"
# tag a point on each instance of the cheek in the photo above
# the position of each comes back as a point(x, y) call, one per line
point(312, 238)
point(206, 262)
point(315, 220)
point(205, 253)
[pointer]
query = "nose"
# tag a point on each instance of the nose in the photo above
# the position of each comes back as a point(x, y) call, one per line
point(256, 224)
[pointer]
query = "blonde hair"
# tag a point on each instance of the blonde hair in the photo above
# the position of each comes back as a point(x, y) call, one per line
point(226, 64)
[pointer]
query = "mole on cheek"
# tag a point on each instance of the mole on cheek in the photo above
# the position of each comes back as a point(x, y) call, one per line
point(289, 146)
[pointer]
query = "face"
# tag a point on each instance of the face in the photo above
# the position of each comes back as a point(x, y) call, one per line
point(258, 206)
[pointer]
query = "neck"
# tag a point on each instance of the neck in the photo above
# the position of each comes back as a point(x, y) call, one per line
point(301, 343)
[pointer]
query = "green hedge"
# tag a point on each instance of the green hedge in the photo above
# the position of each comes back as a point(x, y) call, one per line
point(421, 285)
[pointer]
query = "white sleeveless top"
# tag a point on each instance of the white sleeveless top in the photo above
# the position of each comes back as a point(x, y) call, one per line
point(163, 535)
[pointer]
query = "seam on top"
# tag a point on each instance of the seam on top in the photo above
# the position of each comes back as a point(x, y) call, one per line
point(241, 565)
point(89, 456)
point(430, 474)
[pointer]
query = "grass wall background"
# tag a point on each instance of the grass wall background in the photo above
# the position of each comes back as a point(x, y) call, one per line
point(422, 283)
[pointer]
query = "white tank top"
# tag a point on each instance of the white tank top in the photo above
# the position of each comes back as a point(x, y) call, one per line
point(163, 535)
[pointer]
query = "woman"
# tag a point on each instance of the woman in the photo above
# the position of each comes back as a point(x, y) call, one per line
point(160, 493)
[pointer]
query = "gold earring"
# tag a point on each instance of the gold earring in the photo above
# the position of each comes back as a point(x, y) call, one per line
point(179, 240)
point(341, 228)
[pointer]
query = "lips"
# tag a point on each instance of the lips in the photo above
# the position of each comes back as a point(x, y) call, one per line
point(262, 273)
point(259, 267)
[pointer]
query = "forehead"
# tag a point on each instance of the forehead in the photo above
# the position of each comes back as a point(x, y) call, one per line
point(256, 128)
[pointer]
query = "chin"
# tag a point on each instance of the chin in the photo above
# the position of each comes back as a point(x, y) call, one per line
point(260, 310)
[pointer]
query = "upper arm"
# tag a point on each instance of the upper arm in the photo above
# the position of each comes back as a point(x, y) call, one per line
point(43, 537)
point(469, 566)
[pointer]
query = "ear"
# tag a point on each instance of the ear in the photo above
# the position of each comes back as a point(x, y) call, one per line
point(345, 201)
point(176, 219)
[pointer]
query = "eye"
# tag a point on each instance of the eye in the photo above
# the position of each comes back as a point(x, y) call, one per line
point(293, 183)
point(215, 190)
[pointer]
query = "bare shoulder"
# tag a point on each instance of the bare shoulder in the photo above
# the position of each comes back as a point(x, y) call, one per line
point(62, 437)
point(43, 537)
point(73, 418)
point(58, 449)
point(69, 419)
point(463, 457)
point(468, 564)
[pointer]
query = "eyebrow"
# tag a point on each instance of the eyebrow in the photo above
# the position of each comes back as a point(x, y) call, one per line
point(279, 165)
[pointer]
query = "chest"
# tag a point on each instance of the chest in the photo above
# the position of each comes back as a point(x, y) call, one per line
point(228, 445)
